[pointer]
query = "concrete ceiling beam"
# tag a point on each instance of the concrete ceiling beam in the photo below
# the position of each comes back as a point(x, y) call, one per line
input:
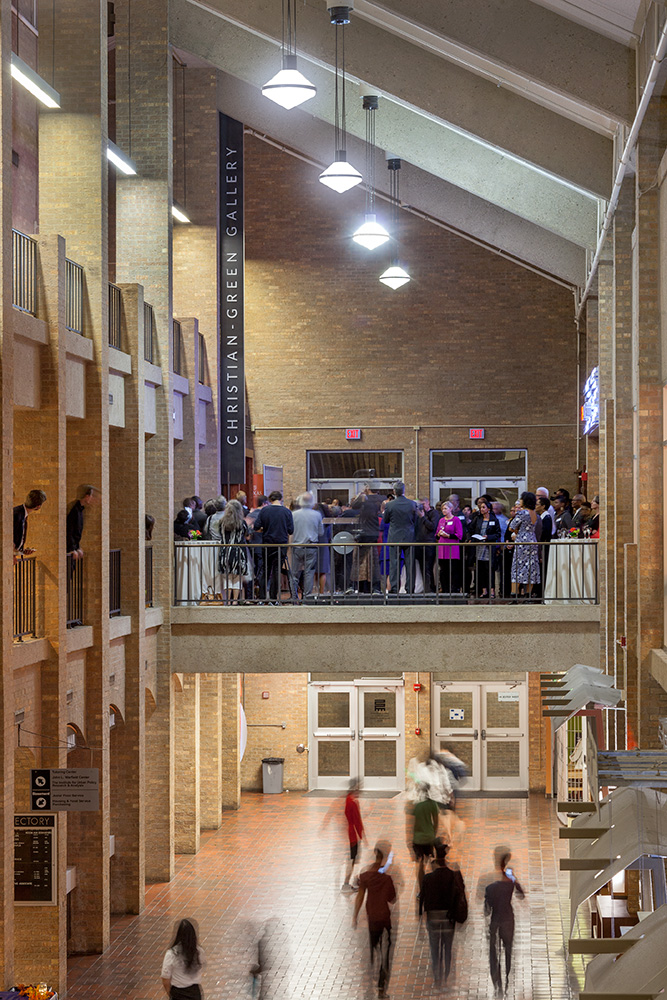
point(422, 81)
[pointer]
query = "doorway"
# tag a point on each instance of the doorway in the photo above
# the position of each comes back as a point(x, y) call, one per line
point(472, 473)
point(357, 733)
point(486, 726)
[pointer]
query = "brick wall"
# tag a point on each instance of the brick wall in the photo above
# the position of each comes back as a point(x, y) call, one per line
point(472, 340)
point(287, 702)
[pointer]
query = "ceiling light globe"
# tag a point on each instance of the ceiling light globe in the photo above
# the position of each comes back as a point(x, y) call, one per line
point(370, 233)
point(289, 88)
point(341, 175)
point(395, 276)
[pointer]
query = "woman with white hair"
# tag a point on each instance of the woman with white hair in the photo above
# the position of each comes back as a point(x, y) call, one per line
point(234, 560)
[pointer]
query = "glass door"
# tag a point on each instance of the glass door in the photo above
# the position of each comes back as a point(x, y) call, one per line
point(456, 726)
point(333, 717)
point(466, 489)
point(381, 737)
point(356, 734)
point(507, 491)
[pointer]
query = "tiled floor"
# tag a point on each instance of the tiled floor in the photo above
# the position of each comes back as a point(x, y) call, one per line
point(278, 857)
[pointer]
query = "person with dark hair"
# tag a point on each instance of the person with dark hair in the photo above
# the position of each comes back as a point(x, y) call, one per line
point(256, 548)
point(485, 527)
point(182, 525)
point(594, 523)
point(563, 515)
point(401, 515)
point(542, 509)
point(198, 513)
point(525, 561)
point(32, 505)
point(233, 561)
point(150, 525)
point(276, 525)
point(355, 832)
point(443, 897)
point(498, 906)
point(87, 496)
point(183, 964)
point(378, 886)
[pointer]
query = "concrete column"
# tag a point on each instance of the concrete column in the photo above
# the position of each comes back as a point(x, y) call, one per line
point(6, 568)
point(73, 203)
point(210, 749)
point(195, 245)
point(40, 943)
point(186, 751)
point(186, 451)
point(143, 252)
point(606, 546)
point(127, 449)
point(231, 756)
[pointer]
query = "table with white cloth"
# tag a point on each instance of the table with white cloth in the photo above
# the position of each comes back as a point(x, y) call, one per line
point(196, 571)
point(572, 576)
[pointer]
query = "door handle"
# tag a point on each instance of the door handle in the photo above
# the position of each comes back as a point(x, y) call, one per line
point(361, 735)
point(484, 734)
point(475, 734)
point(354, 735)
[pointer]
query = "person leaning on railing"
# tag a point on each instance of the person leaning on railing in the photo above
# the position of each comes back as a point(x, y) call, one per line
point(88, 495)
point(32, 505)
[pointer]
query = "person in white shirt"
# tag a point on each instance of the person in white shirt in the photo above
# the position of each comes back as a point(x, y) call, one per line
point(183, 965)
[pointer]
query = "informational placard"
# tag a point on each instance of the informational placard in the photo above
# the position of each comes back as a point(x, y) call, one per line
point(65, 789)
point(590, 411)
point(456, 714)
point(508, 696)
point(231, 285)
point(34, 860)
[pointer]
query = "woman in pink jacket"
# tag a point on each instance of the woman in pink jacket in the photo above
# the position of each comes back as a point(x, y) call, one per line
point(449, 532)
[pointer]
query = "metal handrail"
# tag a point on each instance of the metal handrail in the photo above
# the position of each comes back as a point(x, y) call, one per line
point(73, 296)
point(24, 272)
point(74, 591)
point(114, 315)
point(149, 331)
point(25, 617)
point(149, 576)
point(114, 582)
point(382, 572)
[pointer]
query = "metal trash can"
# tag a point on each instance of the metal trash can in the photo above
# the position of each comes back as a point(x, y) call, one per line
point(272, 775)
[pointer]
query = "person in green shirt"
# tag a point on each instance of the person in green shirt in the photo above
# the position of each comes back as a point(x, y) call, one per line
point(425, 817)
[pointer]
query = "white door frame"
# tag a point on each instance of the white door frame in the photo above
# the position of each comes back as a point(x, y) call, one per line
point(356, 733)
point(480, 735)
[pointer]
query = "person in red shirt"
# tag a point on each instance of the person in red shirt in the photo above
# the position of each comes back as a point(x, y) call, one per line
point(380, 892)
point(355, 831)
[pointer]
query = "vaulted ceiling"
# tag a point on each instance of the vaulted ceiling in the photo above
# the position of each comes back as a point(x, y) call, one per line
point(503, 111)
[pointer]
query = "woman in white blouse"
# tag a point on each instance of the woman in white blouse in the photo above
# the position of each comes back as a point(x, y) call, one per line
point(183, 965)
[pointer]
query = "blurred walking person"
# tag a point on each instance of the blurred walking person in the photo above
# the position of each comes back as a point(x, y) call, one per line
point(425, 818)
point(377, 886)
point(355, 831)
point(443, 897)
point(498, 905)
point(183, 964)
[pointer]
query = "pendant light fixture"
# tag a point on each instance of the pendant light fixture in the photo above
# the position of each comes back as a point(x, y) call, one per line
point(370, 234)
point(395, 275)
point(289, 87)
point(341, 175)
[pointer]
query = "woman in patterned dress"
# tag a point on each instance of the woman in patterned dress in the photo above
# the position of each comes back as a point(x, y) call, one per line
point(233, 560)
point(525, 561)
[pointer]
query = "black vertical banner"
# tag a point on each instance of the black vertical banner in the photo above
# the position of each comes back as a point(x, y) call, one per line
point(232, 293)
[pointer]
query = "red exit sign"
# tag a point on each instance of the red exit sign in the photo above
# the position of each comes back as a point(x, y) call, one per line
point(353, 434)
point(476, 433)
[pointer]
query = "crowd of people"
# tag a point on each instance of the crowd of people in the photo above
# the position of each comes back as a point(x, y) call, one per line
point(386, 543)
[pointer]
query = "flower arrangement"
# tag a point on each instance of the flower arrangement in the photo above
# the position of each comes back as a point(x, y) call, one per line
point(39, 992)
point(194, 534)
point(573, 533)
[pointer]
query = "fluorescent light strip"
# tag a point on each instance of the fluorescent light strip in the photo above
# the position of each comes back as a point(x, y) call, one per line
point(122, 162)
point(179, 214)
point(33, 82)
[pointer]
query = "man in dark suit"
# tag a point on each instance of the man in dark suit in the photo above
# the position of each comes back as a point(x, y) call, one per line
point(401, 515)
point(88, 495)
point(33, 504)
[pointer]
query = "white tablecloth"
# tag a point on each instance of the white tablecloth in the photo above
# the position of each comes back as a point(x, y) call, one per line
point(196, 571)
point(571, 572)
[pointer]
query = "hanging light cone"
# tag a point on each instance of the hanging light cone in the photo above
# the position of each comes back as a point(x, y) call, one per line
point(341, 175)
point(289, 87)
point(370, 233)
point(395, 276)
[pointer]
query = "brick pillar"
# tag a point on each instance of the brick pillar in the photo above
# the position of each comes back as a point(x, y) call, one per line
point(415, 744)
point(211, 721)
point(195, 245)
point(6, 571)
point(127, 448)
point(143, 252)
point(186, 451)
point(186, 756)
point(230, 700)
point(41, 932)
point(606, 546)
point(73, 203)
point(651, 700)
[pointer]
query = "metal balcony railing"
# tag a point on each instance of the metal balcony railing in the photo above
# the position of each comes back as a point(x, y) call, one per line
point(25, 620)
point(149, 576)
point(345, 571)
point(24, 272)
point(114, 316)
point(149, 332)
point(114, 582)
point(73, 296)
point(178, 348)
point(74, 591)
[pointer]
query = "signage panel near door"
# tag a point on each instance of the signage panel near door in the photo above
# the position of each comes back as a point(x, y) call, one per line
point(34, 860)
point(231, 296)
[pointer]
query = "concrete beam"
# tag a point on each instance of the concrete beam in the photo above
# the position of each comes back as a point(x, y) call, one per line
point(567, 67)
point(421, 81)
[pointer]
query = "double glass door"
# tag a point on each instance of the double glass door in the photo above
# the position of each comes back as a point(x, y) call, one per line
point(357, 733)
point(486, 726)
point(507, 491)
